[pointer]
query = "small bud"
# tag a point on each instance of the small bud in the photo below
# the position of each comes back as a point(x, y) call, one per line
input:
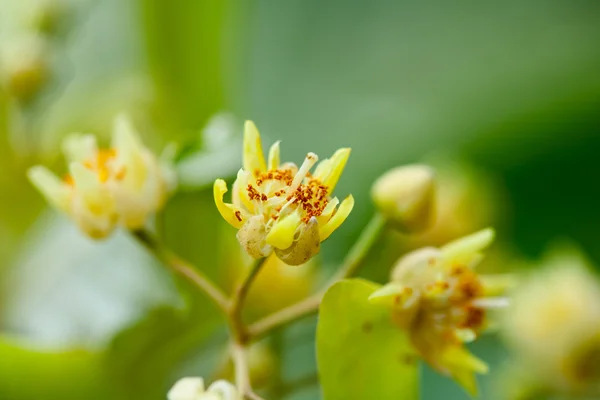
point(405, 195)
point(24, 67)
point(193, 389)
point(47, 16)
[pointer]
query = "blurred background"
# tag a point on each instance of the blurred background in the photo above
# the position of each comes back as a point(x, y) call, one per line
point(502, 98)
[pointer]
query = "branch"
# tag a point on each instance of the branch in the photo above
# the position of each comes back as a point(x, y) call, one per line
point(350, 267)
point(237, 303)
point(184, 269)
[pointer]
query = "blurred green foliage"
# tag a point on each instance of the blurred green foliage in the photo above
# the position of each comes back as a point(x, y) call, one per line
point(512, 88)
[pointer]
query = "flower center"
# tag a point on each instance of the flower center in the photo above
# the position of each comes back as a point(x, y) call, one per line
point(103, 164)
point(451, 300)
point(282, 191)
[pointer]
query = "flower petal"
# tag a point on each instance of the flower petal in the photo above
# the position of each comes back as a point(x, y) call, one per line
point(224, 390)
point(186, 389)
point(98, 200)
point(462, 366)
point(274, 156)
point(464, 249)
point(305, 247)
point(282, 233)
point(330, 170)
point(328, 210)
point(416, 266)
point(254, 160)
point(338, 218)
point(129, 151)
point(240, 193)
point(78, 147)
point(497, 285)
point(387, 294)
point(53, 189)
point(461, 358)
point(228, 212)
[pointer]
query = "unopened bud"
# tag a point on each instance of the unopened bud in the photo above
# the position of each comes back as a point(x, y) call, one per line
point(405, 195)
point(24, 67)
point(48, 16)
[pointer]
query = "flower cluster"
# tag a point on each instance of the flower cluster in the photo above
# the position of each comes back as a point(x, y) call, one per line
point(104, 188)
point(438, 298)
point(281, 207)
point(554, 327)
point(193, 389)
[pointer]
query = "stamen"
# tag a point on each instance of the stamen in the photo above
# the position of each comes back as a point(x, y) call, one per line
point(491, 302)
point(309, 161)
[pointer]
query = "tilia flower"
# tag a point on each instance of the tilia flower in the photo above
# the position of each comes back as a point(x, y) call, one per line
point(280, 207)
point(438, 298)
point(553, 326)
point(104, 188)
point(193, 389)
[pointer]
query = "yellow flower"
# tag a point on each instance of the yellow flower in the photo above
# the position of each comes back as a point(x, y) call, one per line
point(553, 326)
point(280, 207)
point(193, 389)
point(122, 185)
point(438, 298)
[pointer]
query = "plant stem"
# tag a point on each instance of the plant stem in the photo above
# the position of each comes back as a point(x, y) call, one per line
point(350, 267)
point(237, 303)
point(242, 373)
point(185, 269)
point(231, 308)
point(354, 260)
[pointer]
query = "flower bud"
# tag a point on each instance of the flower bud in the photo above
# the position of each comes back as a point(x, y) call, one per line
point(24, 67)
point(405, 195)
point(193, 389)
point(47, 16)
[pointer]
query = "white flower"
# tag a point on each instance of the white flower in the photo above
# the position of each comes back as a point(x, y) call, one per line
point(193, 389)
point(122, 185)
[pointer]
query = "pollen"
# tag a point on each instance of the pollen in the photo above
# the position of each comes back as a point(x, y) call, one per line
point(103, 165)
point(474, 318)
point(310, 197)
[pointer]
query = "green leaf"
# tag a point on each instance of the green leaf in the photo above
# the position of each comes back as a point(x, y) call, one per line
point(30, 372)
point(360, 353)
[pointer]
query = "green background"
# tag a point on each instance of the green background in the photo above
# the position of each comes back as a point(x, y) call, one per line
point(511, 89)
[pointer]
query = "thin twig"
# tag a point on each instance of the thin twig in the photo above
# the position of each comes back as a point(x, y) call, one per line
point(185, 269)
point(232, 308)
point(242, 373)
point(354, 260)
point(310, 305)
point(238, 327)
point(294, 312)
